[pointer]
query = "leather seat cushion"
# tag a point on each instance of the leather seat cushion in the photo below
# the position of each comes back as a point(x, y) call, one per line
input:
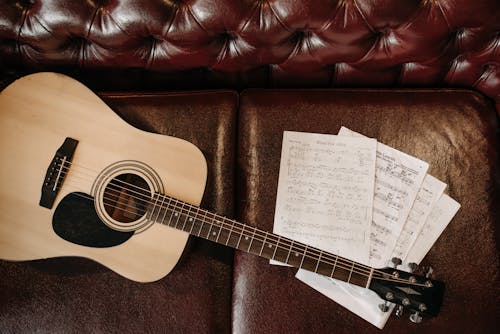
point(454, 130)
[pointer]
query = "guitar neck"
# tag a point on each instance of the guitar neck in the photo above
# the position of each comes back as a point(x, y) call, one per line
point(205, 224)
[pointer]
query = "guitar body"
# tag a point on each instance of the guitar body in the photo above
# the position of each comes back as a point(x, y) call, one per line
point(37, 114)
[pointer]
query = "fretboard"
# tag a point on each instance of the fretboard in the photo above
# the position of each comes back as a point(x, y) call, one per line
point(205, 224)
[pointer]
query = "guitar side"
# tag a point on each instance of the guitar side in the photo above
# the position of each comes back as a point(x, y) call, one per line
point(37, 113)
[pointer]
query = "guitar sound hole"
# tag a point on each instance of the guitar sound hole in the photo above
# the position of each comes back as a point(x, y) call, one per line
point(126, 198)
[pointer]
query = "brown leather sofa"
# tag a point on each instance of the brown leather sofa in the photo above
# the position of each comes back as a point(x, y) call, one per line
point(231, 76)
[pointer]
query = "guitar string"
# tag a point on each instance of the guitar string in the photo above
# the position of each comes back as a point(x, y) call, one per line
point(266, 235)
point(338, 265)
point(345, 261)
point(339, 260)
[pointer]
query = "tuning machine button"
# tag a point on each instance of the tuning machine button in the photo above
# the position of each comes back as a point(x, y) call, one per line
point(399, 311)
point(412, 266)
point(396, 261)
point(384, 307)
point(429, 272)
point(416, 318)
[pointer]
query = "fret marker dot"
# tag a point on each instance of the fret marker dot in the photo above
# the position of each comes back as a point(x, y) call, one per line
point(270, 246)
point(296, 254)
point(214, 233)
point(190, 219)
point(176, 214)
point(246, 238)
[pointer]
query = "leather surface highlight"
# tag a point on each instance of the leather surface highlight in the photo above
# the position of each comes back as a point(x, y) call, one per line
point(256, 43)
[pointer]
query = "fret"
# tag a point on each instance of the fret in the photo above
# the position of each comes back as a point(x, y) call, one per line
point(319, 261)
point(350, 273)
point(233, 239)
point(230, 230)
point(187, 217)
point(310, 259)
point(178, 214)
point(276, 246)
point(151, 212)
point(241, 234)
point(166, 209)
point(214, 225)
point(251, 240)
point(171, 214)
point(204, 230)
point(334, 265)
point(159, 209)
point(295, 258)
point(257, 242)
point(369, 278)
point(210, 224)
point(189, 221)
point(268, 247)
point(303, 257)
point(221, 224)
point(194, 222)
point(202, 221)
point(263, 244)
point(283, 250)
point(289, 252)
point(223, 231)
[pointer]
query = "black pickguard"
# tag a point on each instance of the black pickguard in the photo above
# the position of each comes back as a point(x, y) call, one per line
point(75, 220)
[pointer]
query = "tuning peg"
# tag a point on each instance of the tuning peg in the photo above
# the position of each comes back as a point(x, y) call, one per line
point(384, 307)
point(412, 266)
point(416, 318)
point(399, 311)
point(429, 272)
point(396, 261)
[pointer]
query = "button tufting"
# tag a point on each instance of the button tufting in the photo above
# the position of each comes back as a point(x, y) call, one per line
point(26, 3)
point(422, 38)
point(228, 35)
point(100, 3)
point(80, 41)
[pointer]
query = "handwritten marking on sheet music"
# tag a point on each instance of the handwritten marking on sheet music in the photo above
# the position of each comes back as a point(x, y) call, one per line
point(325, 192)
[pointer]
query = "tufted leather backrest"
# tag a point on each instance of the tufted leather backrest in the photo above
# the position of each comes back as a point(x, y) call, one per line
point(165, 44)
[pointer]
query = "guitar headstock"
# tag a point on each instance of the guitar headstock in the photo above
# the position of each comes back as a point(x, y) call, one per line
point(414, 292)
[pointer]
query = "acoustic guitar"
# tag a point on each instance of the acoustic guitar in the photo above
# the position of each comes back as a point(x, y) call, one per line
point(76, 180)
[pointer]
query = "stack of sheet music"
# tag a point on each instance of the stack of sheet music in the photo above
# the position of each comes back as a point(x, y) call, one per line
point(360, 199)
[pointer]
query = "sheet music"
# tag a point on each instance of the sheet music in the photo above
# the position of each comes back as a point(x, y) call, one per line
point(441, 215)
point(360, 301)
point(427, 196)
point(398, 178)
point(364, 302)
point(325, 192)
point(404, 191)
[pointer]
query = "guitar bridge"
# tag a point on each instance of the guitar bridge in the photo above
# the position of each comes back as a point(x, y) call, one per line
point(56, 172)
